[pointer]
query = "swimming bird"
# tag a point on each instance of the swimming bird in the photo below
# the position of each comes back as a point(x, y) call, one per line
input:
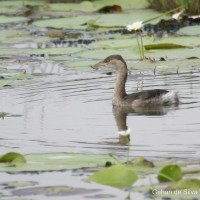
point(146, 98)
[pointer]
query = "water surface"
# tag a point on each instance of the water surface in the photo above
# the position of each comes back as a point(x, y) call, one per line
point(72, 112)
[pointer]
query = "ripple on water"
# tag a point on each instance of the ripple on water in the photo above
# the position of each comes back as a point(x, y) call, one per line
point(73, 112)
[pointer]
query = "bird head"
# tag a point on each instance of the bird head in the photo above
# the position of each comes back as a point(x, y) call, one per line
point(113, 62)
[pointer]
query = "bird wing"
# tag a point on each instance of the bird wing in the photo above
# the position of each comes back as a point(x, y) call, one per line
point(147, 94)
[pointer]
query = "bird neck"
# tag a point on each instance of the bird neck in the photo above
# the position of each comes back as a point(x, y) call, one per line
point(120, 91)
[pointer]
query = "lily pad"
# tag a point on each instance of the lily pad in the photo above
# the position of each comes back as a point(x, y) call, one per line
point(128, 17)
point(43, 51)
point(170, 173)
point(83, 65)
point(165, 43)
point(13, 80)
point(187, 189)
point(141, 162)
point(13, 33)
point(193, 184)
point(53, 191)
point(99, 54)
point(13, 158)
point(119, 176)
point(164, 46)
point(190, 30)
point(128, 4)
point(88, 6)
point(17, 184)
point(71, 22)
point(83, 6)
point(114, 20)
point(5, 20)
point(57, 161)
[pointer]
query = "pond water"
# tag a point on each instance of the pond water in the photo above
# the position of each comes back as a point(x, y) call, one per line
point(56, 103)
point(72, 112)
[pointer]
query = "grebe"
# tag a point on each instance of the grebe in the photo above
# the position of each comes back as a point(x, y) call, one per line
point(146, 98)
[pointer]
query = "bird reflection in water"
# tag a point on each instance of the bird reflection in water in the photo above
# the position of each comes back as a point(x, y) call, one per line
point(120, 114)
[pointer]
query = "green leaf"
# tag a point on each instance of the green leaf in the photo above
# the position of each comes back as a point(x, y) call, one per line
point(3, 114)
point(170, 173)
point(190, 30)
point(193, 184)
point(113, 20)
point(5, 20)
point(141, 162)
point(52, 191)
point(13, 157)
point(18, 184)
point(164, 46)
point(57, 161)
point(119, 176)
point(128, 4)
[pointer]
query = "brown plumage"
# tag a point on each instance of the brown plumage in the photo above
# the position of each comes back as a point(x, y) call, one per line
point(156, 97)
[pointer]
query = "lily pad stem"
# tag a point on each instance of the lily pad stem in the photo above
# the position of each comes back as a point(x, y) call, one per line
point(142, 46)
point(138, 43)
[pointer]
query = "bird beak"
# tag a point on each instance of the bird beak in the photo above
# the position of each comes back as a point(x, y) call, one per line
point(100, 65)
point(103, 67)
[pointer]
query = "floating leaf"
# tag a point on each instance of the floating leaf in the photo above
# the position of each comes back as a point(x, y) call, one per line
point(110, 9)
point(5, 20)
point(58, 161)
point(18, 184)
point(128, 4)
point(164, 46)
point(119, 176)
point(83, 6)
point(190, 30)
point(170, 173)
point(193, 184)
point(13, 157)
point(141, 162)
point(53, 191)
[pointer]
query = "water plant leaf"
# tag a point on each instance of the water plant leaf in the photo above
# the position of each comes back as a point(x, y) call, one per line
point(193, 184)
point(72, 22)
point(164, 46)
point(18, 184)
point(141, 162)
point(170, 173)
point(128, 4)
point(53, 191)
point(57, 161)
point(119, 176)
point(110, 9)
point(93, 6)
point(85, 6)
point(122, 19)
point(5, 20)
point(114, 20)
point(12, 157)
point(3, 114)
point(190, 30)
point(43, 51)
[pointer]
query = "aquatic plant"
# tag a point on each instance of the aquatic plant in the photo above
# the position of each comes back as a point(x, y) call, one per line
point(2, 115)
point(192, 6)
point(137, 28)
